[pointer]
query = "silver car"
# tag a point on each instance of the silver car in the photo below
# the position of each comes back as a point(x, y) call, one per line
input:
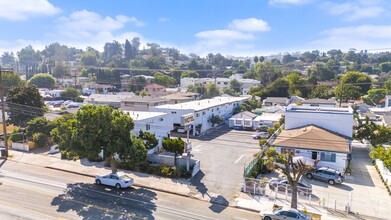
point(286, 214)
point(326, 174)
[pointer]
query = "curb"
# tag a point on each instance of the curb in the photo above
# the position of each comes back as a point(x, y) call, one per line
point(157, 189)
point(247, 209)
point(135, 184)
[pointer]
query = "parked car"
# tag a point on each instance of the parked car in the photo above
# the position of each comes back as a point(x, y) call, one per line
point(118, 180)
point(260, 135)
point(326, 174)
point(262, 127)
point(303, 188)
point(286, 214)
point(54, 149)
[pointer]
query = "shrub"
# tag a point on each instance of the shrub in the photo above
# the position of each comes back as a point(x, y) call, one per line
point(16, 137)
point(93, 157)
point(166, 171)
point(40, 140)
point(144, 166)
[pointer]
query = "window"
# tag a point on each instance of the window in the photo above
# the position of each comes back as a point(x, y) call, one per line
point(147, 127)
point(292, 215)
point(329, 157)
point(173, 112)
point(218, 108)
point(203, 113)
point(198, 115)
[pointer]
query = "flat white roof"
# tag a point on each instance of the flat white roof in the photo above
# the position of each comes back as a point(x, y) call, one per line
point(334, 110)
point(109, 97)
point(268, 117)
point(203, 104)
point(141, 115)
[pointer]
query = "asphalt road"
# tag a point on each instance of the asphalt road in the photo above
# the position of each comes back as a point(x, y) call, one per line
point(30, 192)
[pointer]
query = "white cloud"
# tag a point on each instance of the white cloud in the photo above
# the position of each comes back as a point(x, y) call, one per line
point(354, 10)
point(288, 2)
point(19, 10)
point(86, 23)
point(86, 28)
point(250, 24)
point(164, 19)
point(224, 35)
point(233, 39)
point(359, 37)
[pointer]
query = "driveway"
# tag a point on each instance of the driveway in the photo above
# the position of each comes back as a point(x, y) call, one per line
point(223, 153)
point(364, 189)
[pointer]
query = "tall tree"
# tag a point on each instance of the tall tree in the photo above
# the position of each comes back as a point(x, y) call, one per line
point(8, 59)
point(293, 172)
point(212, 91)
point(28, 56)
point(376, 95)
point(347, 92)
point(95, 129)
point(359, 79)
point(42, 80)
point(128, 50)
point(235, 85)
point(135, 46)
point(89, 59)
point(25, 103)
point(164, 80)
point(322, 71)
point(11, 79)
point(60, 70)
point(111, 51)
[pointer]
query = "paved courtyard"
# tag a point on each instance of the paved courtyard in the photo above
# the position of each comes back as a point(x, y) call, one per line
point(363, 190)
point(223, 153)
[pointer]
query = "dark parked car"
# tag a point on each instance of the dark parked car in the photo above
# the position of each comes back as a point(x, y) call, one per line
point(303, 188)
point(326, 174)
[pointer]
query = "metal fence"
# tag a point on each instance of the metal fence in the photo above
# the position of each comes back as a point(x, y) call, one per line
point(249, 167)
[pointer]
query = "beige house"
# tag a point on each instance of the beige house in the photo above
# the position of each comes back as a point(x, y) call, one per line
point(313, 142)
point(142, 103)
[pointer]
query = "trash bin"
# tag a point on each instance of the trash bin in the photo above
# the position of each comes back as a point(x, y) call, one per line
point(3, 152)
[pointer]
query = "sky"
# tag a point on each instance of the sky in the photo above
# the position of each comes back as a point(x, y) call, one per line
point(229, 27)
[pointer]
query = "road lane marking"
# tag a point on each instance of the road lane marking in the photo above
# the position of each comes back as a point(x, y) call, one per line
point(150, 203)
point(27, 209)
point(79, 202)
point(241, 156)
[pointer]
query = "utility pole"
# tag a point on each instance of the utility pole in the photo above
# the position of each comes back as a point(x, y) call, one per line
point(3, 115)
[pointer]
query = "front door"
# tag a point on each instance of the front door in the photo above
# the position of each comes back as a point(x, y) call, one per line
point(314, 155)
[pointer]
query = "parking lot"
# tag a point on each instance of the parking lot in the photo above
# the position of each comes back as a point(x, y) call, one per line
point(223, 153)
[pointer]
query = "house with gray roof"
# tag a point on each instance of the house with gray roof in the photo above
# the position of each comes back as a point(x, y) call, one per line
point(276, 101)
point(319, 102)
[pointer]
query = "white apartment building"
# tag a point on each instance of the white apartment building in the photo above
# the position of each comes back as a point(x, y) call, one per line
point(157, 123)
point(221, 83)
point(338, 120)
point(200, 111)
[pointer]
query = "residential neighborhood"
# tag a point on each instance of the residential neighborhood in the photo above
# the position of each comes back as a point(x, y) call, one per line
point(108, 112)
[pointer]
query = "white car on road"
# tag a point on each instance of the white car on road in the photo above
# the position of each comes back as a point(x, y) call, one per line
point(118, 180)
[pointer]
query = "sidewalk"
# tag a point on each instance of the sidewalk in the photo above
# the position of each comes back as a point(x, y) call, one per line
point(92, 169)
point(178, 187)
